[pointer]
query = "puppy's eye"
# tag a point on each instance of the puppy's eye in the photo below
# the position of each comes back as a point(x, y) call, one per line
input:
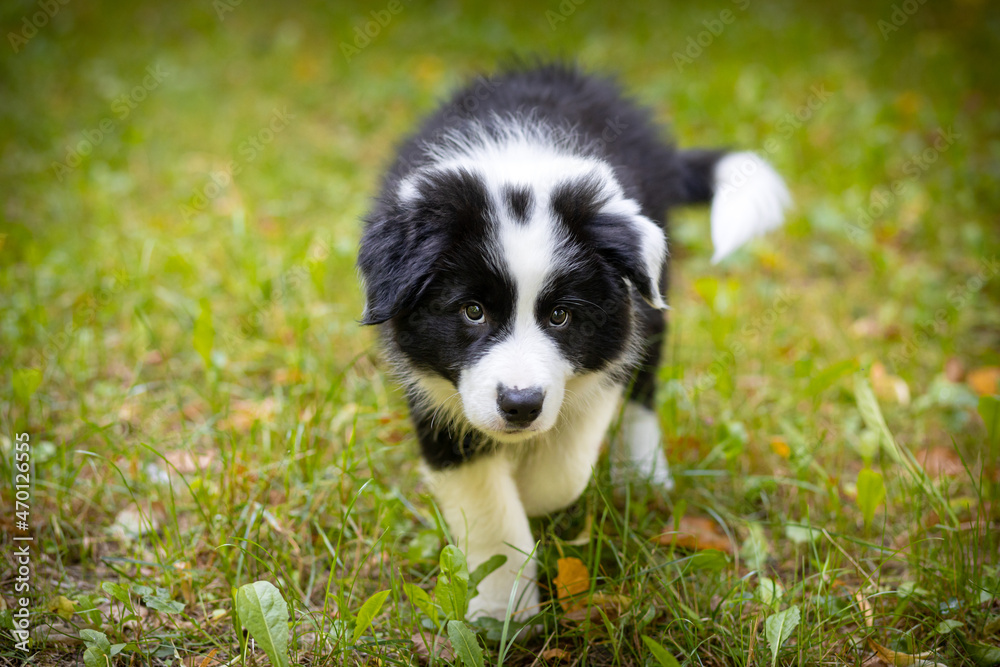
point(559, 317)
point(474, 313)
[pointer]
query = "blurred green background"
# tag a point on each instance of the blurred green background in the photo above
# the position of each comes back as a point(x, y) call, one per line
point(182, 191)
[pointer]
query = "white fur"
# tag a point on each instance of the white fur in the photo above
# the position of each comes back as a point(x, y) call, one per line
point(554, 471)
point(480, 502)
point(487, 501)
point(750, 199)
point(639, 455)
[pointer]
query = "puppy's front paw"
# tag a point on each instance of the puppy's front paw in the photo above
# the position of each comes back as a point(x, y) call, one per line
point(495, 606)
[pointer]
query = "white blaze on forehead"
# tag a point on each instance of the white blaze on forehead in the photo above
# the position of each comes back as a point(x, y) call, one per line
point(529, 252)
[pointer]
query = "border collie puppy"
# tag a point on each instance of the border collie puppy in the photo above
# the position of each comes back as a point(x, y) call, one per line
point(515, 262)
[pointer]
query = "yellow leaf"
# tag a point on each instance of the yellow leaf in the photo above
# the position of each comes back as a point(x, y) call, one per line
point(63, 607)
point(984, 381)
point(571, 583)
point(780, 447)
point(902, 659)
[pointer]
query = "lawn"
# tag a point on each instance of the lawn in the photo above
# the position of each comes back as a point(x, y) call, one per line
point(193, 407)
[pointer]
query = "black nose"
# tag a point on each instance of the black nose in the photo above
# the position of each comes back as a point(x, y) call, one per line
point(520, 406)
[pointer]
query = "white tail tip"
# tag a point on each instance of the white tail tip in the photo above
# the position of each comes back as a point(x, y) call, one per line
point(750, 199)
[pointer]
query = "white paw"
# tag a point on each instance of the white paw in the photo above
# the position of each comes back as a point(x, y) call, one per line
point(640, 456)
point(525, 606)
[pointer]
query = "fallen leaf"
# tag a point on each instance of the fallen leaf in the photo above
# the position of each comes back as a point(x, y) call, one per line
point(780, 447)
point(153, 358)
point(201, 661)
point(889, 387)
point(63, 607)
point(954, 369)
point(899, 659)
point(867, 612)
point(572, 582)
point(940, 460)
point(865, 327)
point(984, 381)
point(612, 606)
point(557, 654)
point(185, 462)
point(697, 533)
point(243, 414)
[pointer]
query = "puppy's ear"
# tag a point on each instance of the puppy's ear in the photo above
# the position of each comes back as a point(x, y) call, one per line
point(615, 227)
point(396, 261)
point(409, 232)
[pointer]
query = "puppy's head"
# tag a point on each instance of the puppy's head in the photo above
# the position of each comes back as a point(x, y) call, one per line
point(496, 289)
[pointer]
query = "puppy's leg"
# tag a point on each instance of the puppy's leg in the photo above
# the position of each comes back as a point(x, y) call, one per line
point(480, 502)
point(554, 471)
point(639, 456)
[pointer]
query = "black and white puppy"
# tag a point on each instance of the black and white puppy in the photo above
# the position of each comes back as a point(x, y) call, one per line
point(515, 262)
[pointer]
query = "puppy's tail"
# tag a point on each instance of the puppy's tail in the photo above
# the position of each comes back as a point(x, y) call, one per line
point(748, 196)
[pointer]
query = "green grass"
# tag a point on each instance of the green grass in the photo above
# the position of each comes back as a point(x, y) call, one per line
point(208, 413)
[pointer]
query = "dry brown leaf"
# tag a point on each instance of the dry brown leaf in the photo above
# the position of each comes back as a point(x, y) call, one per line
point(899, 659)
point(865, 327)
point(697, 533)
point(866, 608)
point(558, 654)
point(612, 605)
point(185, 462)
point(243, 414)
point(195, 410)
point(572, 582)
point(153, 358)
point(984, 381)
point(954, 369)
point(940, 460)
